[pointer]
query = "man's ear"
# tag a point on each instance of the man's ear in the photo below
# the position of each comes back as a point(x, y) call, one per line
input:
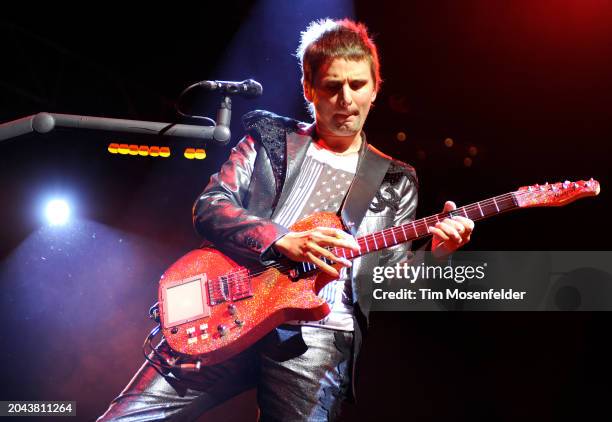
point(373, 96)
point(308, 91)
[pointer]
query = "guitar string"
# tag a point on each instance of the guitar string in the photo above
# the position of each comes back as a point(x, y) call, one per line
point(425, 221)
point(419, 222)
point(241, 273)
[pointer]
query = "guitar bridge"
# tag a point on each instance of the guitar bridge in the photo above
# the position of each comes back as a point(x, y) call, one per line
point(230, 287)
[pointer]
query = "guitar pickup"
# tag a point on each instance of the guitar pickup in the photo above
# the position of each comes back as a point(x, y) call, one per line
point(230, 287)
point(218, 290)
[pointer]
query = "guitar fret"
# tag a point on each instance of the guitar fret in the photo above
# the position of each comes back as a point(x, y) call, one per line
point(495, 202)
point(513, 200)
point(375, 244)
point(489, 208)
point(393, 233)
point(480, 209)
point(384, 239)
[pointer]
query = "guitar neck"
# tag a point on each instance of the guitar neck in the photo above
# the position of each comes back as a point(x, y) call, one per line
point(420, 228)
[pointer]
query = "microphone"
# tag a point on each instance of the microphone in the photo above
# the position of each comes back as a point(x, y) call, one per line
point(248, 88)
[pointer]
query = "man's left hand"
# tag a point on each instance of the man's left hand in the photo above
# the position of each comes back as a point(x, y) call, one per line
point(450, 233)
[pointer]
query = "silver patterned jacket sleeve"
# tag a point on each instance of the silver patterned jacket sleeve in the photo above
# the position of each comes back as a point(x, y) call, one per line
point(221, 215)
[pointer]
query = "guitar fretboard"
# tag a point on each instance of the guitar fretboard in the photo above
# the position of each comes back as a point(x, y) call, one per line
point(556, 194)
point(420, 228)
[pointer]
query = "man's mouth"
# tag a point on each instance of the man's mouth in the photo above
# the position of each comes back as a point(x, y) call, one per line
point(345, 116)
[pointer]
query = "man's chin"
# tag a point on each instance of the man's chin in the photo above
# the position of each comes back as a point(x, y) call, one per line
point(347, 130)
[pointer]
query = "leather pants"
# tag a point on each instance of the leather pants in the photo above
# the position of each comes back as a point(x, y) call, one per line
point(301, 373)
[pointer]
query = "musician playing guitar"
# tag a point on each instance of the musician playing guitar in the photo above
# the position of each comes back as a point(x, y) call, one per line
point(279, 173)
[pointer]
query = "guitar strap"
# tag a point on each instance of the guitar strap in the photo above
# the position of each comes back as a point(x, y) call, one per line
point(370, 173)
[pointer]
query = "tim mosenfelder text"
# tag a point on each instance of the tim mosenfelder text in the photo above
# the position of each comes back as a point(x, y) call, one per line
point(422, 273)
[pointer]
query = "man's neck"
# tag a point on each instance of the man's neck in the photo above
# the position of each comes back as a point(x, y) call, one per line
point(340, 144)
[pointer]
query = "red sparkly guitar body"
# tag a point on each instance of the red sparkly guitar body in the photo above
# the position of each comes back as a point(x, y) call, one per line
point(212, 308)
point(235, 323)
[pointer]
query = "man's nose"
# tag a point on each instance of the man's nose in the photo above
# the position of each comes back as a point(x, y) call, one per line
point(345, 96)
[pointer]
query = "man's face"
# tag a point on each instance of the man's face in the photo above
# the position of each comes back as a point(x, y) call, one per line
point(342, 93)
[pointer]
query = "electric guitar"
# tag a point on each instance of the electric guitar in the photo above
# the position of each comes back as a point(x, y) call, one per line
point(211, 308)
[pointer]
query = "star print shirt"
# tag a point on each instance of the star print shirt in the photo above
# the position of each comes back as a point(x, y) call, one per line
point(322, 184)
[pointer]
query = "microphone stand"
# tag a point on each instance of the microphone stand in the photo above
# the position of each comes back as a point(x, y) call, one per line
point(46, 122)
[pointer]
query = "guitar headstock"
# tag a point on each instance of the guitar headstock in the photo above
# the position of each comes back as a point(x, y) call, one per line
point(555, 194)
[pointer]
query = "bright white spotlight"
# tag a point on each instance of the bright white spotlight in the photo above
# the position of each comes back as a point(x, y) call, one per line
point(57, 212)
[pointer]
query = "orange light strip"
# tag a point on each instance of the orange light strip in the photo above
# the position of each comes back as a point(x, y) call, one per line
point(142, 150)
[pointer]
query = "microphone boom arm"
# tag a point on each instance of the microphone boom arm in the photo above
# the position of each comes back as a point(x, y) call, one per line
point(46, 122)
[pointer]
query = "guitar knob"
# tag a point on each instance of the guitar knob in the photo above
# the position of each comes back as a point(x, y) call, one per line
point(232, 309)
point(239, 322)
point(222, 329)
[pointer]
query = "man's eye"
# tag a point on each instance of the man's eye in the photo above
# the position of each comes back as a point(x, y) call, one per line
point(332, 87)
point(357, 85)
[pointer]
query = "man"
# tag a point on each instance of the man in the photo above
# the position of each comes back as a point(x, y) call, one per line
point(279, 173)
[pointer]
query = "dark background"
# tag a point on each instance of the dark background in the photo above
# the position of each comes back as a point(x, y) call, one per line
point(525, 82)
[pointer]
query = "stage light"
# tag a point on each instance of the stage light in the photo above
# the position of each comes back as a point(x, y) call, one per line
point(401, 136)
point(448, 142)
point(57, 212)
point(195, 153)
point(200, 154)
point(189, 153)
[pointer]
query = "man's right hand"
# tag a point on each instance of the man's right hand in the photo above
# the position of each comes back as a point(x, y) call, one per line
point(309, 245)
